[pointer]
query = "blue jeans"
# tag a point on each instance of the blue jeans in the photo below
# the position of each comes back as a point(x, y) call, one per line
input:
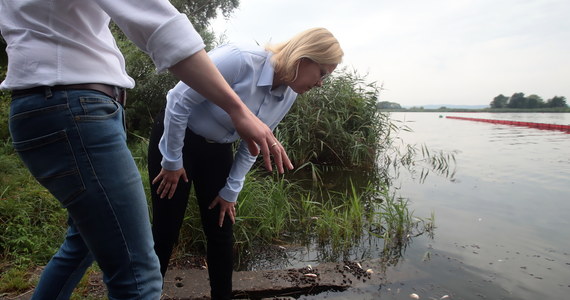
point(74, 143)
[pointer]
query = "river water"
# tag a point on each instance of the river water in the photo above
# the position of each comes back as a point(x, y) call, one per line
point(502, 225)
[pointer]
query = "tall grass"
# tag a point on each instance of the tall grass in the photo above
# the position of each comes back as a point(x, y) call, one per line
point(30, 219)
point(337, 124)
point(273, 210)
point(265, 208)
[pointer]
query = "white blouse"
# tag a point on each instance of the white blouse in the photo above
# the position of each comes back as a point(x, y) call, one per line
point(53, 42)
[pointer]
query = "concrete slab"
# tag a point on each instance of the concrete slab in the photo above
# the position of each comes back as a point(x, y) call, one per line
point(194, 284)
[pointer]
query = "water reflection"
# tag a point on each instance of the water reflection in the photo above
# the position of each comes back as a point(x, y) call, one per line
point(499, 211)
point(508, 199)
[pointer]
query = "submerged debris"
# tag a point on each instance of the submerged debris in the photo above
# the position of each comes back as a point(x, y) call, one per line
point(414, 296)
point(356, 269)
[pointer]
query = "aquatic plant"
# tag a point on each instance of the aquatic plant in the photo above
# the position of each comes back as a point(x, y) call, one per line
point(336, 125)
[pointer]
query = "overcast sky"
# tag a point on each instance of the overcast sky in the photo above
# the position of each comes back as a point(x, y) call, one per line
point(457, 52)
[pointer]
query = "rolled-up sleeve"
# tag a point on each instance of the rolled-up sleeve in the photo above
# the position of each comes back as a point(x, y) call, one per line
point(174, 41)
point(157, 28)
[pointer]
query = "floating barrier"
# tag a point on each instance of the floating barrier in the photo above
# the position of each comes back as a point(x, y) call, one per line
point(544, 126)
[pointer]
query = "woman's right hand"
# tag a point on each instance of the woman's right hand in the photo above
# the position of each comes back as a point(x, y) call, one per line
point(168, 182)
point(259, 138)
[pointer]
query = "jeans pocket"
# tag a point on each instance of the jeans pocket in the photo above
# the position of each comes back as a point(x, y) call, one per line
point(97, 108)
point(51, 161)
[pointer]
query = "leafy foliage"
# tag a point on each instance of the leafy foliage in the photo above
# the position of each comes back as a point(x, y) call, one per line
point(32, 224)
point(500, 101)
point(200, 12)
point(388, 105)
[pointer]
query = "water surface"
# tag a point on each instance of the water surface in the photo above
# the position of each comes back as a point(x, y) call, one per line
point(502, 219)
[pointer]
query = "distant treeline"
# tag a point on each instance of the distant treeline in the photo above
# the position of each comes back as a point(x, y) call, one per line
point(518, 100)
point(516, 103)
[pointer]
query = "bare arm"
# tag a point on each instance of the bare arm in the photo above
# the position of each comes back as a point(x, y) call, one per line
point(198, 72)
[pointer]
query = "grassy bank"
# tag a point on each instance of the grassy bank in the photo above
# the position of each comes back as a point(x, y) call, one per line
point(273, 211)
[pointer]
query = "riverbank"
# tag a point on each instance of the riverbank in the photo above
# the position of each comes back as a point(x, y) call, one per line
point(192, 282)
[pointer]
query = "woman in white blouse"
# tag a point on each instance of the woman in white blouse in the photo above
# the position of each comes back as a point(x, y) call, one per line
point(191, 141)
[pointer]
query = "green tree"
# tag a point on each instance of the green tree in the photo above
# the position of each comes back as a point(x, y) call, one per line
point(534, 101)
point(517, 100)
point(557, 101)
point(200, 12)
point(388, 105)
point(499, 101)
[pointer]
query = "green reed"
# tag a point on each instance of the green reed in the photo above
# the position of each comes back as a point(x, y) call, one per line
point(337, 124)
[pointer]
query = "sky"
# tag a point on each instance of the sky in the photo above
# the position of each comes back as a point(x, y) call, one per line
point(428, 52)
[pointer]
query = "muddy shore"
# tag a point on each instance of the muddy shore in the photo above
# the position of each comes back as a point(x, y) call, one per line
point(193, 283)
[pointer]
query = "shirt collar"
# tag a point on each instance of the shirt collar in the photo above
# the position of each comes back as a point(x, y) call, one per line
point(266, 78)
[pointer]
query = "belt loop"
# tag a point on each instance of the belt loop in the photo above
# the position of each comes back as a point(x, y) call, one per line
point(48, 92)
point(116, 92)
point(120, 95)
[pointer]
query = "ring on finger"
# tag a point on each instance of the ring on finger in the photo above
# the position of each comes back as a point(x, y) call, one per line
point(273, 144)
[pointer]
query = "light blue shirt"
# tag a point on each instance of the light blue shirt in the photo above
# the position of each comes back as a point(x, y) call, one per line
point(248, 70)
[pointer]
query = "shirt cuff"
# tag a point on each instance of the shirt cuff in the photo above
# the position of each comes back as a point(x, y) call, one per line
point(171, 165)
point(228, 195)
point(174, 41)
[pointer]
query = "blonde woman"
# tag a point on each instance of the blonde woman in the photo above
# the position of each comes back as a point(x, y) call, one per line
point(191, 141)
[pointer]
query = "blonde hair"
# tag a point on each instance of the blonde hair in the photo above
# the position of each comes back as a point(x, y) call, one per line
point(316, 44)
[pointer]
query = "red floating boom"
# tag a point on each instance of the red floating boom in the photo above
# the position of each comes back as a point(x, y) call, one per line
point(565, 128)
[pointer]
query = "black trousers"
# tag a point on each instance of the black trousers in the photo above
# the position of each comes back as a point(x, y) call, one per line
point(207, 166)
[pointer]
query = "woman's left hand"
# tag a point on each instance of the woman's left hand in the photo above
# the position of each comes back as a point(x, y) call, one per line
point(226, 207)
point(169, 181)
